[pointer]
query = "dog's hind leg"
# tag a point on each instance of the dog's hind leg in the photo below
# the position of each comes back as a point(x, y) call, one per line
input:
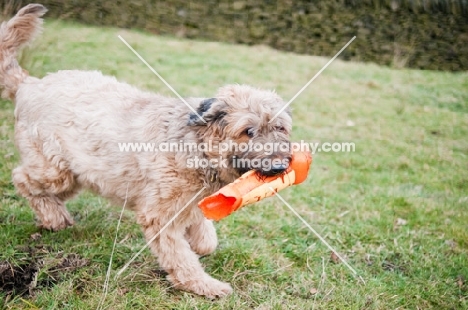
point(46, 189)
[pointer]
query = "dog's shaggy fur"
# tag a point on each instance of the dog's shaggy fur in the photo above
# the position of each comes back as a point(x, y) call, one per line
point(67, 129)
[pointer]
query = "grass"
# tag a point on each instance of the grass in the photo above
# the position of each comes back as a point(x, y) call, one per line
point(396, 208)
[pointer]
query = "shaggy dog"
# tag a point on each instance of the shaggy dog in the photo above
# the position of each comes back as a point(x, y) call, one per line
point(67, 129)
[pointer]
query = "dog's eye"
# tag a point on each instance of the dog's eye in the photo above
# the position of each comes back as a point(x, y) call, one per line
point(281, 129)
point(249, 132)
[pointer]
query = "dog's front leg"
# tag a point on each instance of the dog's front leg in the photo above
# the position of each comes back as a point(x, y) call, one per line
point(177, 258)
point(201, 236)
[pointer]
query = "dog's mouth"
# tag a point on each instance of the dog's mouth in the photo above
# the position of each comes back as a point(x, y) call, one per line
point(272, 172)
point(242, 170)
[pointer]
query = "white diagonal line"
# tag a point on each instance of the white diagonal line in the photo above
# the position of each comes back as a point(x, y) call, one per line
point(161, 78)
point(311, 80)
point(106, 282)
point(155, 236)
point(318, 236)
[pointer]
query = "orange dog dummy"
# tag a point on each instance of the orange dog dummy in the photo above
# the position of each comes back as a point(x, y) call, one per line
point(251, 187)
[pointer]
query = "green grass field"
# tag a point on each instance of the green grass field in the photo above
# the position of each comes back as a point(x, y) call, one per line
point(396, 208)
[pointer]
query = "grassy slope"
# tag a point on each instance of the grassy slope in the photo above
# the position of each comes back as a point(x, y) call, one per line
point(410, 130)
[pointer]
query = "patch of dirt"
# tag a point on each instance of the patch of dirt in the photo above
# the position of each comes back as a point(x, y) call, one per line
point(15, 280)
point(41, 268)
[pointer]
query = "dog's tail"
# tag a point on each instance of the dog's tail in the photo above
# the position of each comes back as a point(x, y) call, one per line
point(17, 32)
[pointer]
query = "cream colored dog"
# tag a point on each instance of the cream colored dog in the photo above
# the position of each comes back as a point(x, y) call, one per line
point(67, 129)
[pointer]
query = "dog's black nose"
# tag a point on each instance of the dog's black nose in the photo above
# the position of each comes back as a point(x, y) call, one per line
point(278, 168)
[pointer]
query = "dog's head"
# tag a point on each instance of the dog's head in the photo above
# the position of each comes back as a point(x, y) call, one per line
point(237, 124)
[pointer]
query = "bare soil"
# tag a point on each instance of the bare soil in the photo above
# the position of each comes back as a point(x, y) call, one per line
point(41, 268)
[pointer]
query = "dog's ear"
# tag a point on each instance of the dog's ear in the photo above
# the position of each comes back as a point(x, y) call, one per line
point(210, 110)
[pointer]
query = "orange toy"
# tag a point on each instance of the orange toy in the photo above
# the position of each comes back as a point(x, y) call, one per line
point(251, 187)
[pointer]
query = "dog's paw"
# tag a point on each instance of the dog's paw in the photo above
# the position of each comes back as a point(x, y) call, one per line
point(56, 222)
point(207, 286)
